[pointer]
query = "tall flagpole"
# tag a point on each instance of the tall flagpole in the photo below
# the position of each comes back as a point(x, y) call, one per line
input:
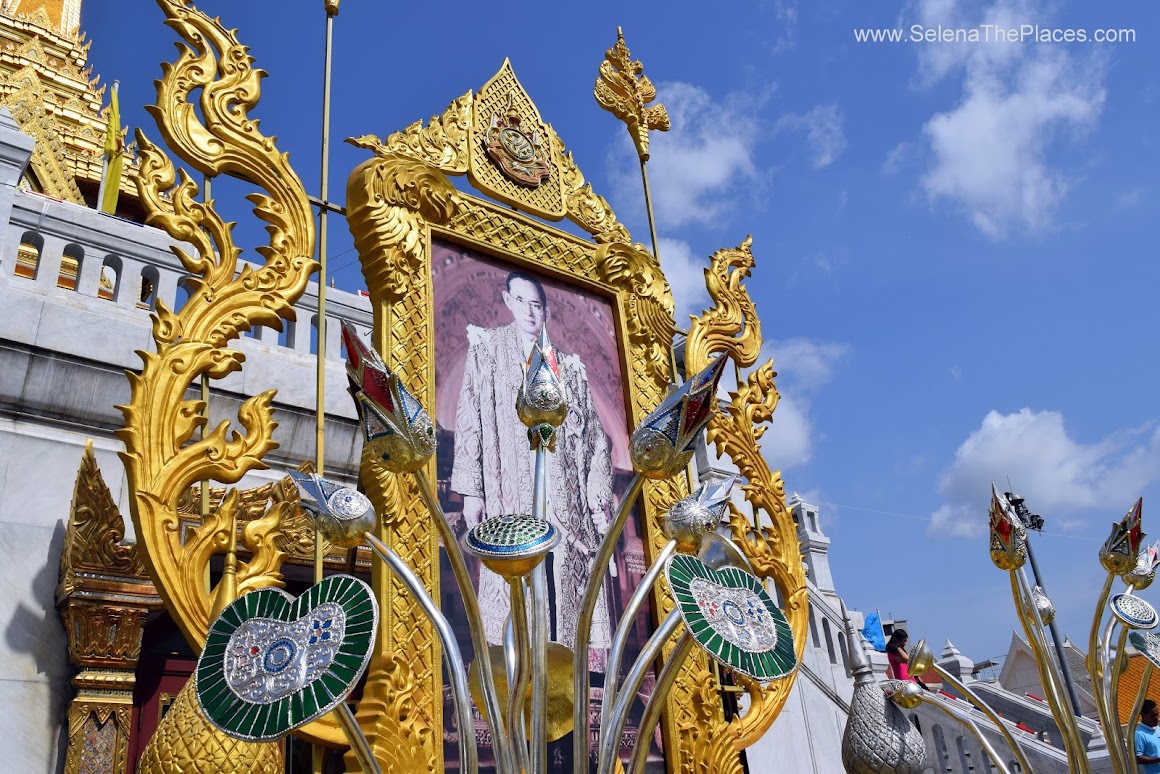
point(323, 211)
point(320, 383)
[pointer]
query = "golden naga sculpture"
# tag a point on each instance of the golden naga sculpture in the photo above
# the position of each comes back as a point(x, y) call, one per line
point(399, 203)
point(732, 326)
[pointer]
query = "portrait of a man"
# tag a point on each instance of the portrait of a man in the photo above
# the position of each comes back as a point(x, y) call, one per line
point(487, 313)
point(494, 465)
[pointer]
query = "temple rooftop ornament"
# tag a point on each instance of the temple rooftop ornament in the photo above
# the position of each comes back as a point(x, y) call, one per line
point(397, 428)
point(272, 663)
point(663, 442)
point(1118, 555)
point(343, 515)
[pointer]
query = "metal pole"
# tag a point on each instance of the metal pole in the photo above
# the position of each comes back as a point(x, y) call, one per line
point(581, 679)
point(324, 190)
point(320, 386)
point(538, 583)
point(1055, 638)
point(452, 658)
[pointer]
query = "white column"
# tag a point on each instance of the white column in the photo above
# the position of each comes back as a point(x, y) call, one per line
point(89, 278)
point(11, 249)
point(129, 283)
point(333, 338)
point(167, 285)
point(48, 264)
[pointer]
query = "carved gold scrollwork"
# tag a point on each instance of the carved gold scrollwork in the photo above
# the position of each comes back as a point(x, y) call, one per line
point(161, 458)
point(585, 207)
point(769, 541)
point(442, 143)
point(650, 313)
point(392, 202)
point(732, 325)
point(391, 199)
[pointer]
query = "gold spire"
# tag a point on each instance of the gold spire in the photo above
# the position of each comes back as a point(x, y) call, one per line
point(47, 84)
point(60, 16)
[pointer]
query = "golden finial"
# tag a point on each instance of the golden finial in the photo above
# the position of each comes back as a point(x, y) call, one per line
point(332, 7)
point(623, 90)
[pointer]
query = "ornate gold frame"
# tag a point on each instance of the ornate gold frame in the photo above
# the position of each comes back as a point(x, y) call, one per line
point(396, 202)
point(402, 199)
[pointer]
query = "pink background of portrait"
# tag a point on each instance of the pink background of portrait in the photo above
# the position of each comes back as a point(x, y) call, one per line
point(467, 291)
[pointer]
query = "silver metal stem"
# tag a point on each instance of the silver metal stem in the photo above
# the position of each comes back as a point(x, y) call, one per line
point(620, 639)
point(505, 764)
point(656, 702)
point(581, 679)
point(538, 582)
point(985, 708)
point(969, 722)
point(452, 658)
point(358, 741)
point(511, 653)
point(610, 736)
point(518, 688)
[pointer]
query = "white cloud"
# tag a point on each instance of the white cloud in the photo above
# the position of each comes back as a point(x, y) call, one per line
point(702, 164)
point(787, 19)
point(686, 276)
point(803, 367)
point(897, 158)
point(1057, 474)
point(823, 129)
point(990, 153)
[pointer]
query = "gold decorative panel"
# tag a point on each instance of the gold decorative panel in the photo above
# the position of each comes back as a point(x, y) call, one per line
point(498, 95)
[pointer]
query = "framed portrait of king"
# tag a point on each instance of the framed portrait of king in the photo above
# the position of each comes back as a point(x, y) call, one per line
point(460, 283)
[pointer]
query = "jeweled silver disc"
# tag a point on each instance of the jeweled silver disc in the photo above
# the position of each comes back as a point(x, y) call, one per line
point(1133, 611)
point(512, 535)
point(268, 660)
point(348, 504)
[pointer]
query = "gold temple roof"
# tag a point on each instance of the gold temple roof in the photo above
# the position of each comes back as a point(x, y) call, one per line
point(46, 83)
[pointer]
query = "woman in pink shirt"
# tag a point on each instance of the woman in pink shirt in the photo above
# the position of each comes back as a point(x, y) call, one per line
point(896, 655)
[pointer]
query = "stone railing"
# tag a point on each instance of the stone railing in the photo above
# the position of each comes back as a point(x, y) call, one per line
point(68, 248)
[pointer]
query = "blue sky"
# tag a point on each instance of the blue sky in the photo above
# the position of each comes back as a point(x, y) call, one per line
point(956, 264)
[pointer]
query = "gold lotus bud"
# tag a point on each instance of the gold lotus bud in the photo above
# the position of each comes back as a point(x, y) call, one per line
point(698, 514)
point(396, 427)
point(1118, 554)
point(663, 443)
point(343, 515)
point(1008, 535)
point(1042, 605)
point(905, 693)
point(540, 400)
point(921, 658)
point(1141, 576)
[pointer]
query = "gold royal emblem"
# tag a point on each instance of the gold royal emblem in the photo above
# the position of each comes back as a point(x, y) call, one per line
point(518, 153)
